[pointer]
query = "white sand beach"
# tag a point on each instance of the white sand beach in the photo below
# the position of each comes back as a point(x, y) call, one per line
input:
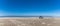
point(29, 22)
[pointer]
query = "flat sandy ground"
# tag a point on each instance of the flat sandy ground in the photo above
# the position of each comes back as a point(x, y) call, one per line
point(29, 22)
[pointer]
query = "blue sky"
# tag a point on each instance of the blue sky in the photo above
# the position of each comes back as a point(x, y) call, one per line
point(30, 7)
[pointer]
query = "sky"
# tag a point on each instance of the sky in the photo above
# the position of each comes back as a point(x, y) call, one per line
point(30, 7)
